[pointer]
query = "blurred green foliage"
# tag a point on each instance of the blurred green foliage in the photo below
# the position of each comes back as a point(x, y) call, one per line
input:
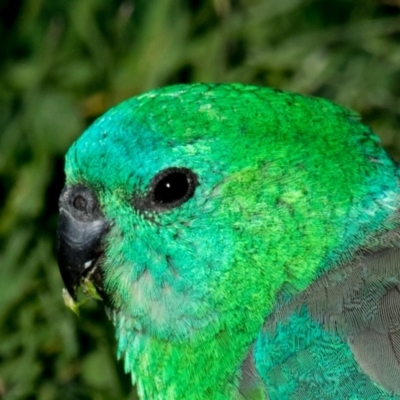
point(65, 62)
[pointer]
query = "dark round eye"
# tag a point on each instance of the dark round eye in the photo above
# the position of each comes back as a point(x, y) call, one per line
point(172, 187)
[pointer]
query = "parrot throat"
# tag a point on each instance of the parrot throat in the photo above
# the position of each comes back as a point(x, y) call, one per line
point(183, 370)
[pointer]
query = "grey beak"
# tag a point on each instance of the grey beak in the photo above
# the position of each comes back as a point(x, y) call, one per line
point(81, 228)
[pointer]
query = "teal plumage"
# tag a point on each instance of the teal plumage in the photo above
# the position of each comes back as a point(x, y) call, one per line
point(245, 241)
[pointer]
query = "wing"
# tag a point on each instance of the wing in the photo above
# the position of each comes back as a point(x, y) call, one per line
point(340, 339)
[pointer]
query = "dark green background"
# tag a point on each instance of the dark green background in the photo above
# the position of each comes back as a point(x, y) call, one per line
point(65, 62)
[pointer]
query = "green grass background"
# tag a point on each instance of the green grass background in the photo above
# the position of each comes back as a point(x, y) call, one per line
point(62, 63)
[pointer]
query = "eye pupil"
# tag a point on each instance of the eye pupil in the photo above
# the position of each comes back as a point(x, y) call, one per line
point(80, 203)
point(173, 187)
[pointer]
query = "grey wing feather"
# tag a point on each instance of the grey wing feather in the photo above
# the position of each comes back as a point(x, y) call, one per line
point(360, 301)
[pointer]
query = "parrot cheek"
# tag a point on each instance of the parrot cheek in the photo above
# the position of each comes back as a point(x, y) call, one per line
point(156, 307)
point(158, 276)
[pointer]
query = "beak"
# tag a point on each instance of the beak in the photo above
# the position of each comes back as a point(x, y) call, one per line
point(80, 234)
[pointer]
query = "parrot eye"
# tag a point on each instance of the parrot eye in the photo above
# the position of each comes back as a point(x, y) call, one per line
point(172, 187)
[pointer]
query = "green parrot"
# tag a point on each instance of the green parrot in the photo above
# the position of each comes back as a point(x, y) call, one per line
point(245, 242)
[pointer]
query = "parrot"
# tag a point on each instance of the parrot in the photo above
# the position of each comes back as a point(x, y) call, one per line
point(245, 242)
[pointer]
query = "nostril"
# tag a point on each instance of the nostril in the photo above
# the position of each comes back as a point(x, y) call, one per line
point(80, 203)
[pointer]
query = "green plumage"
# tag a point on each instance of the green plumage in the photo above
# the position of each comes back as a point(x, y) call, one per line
point(256, 286)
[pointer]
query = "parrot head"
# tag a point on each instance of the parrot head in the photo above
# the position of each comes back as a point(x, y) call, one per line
point(190, 208)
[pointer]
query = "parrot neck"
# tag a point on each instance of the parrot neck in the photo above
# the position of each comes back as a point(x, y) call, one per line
point(188, 370)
